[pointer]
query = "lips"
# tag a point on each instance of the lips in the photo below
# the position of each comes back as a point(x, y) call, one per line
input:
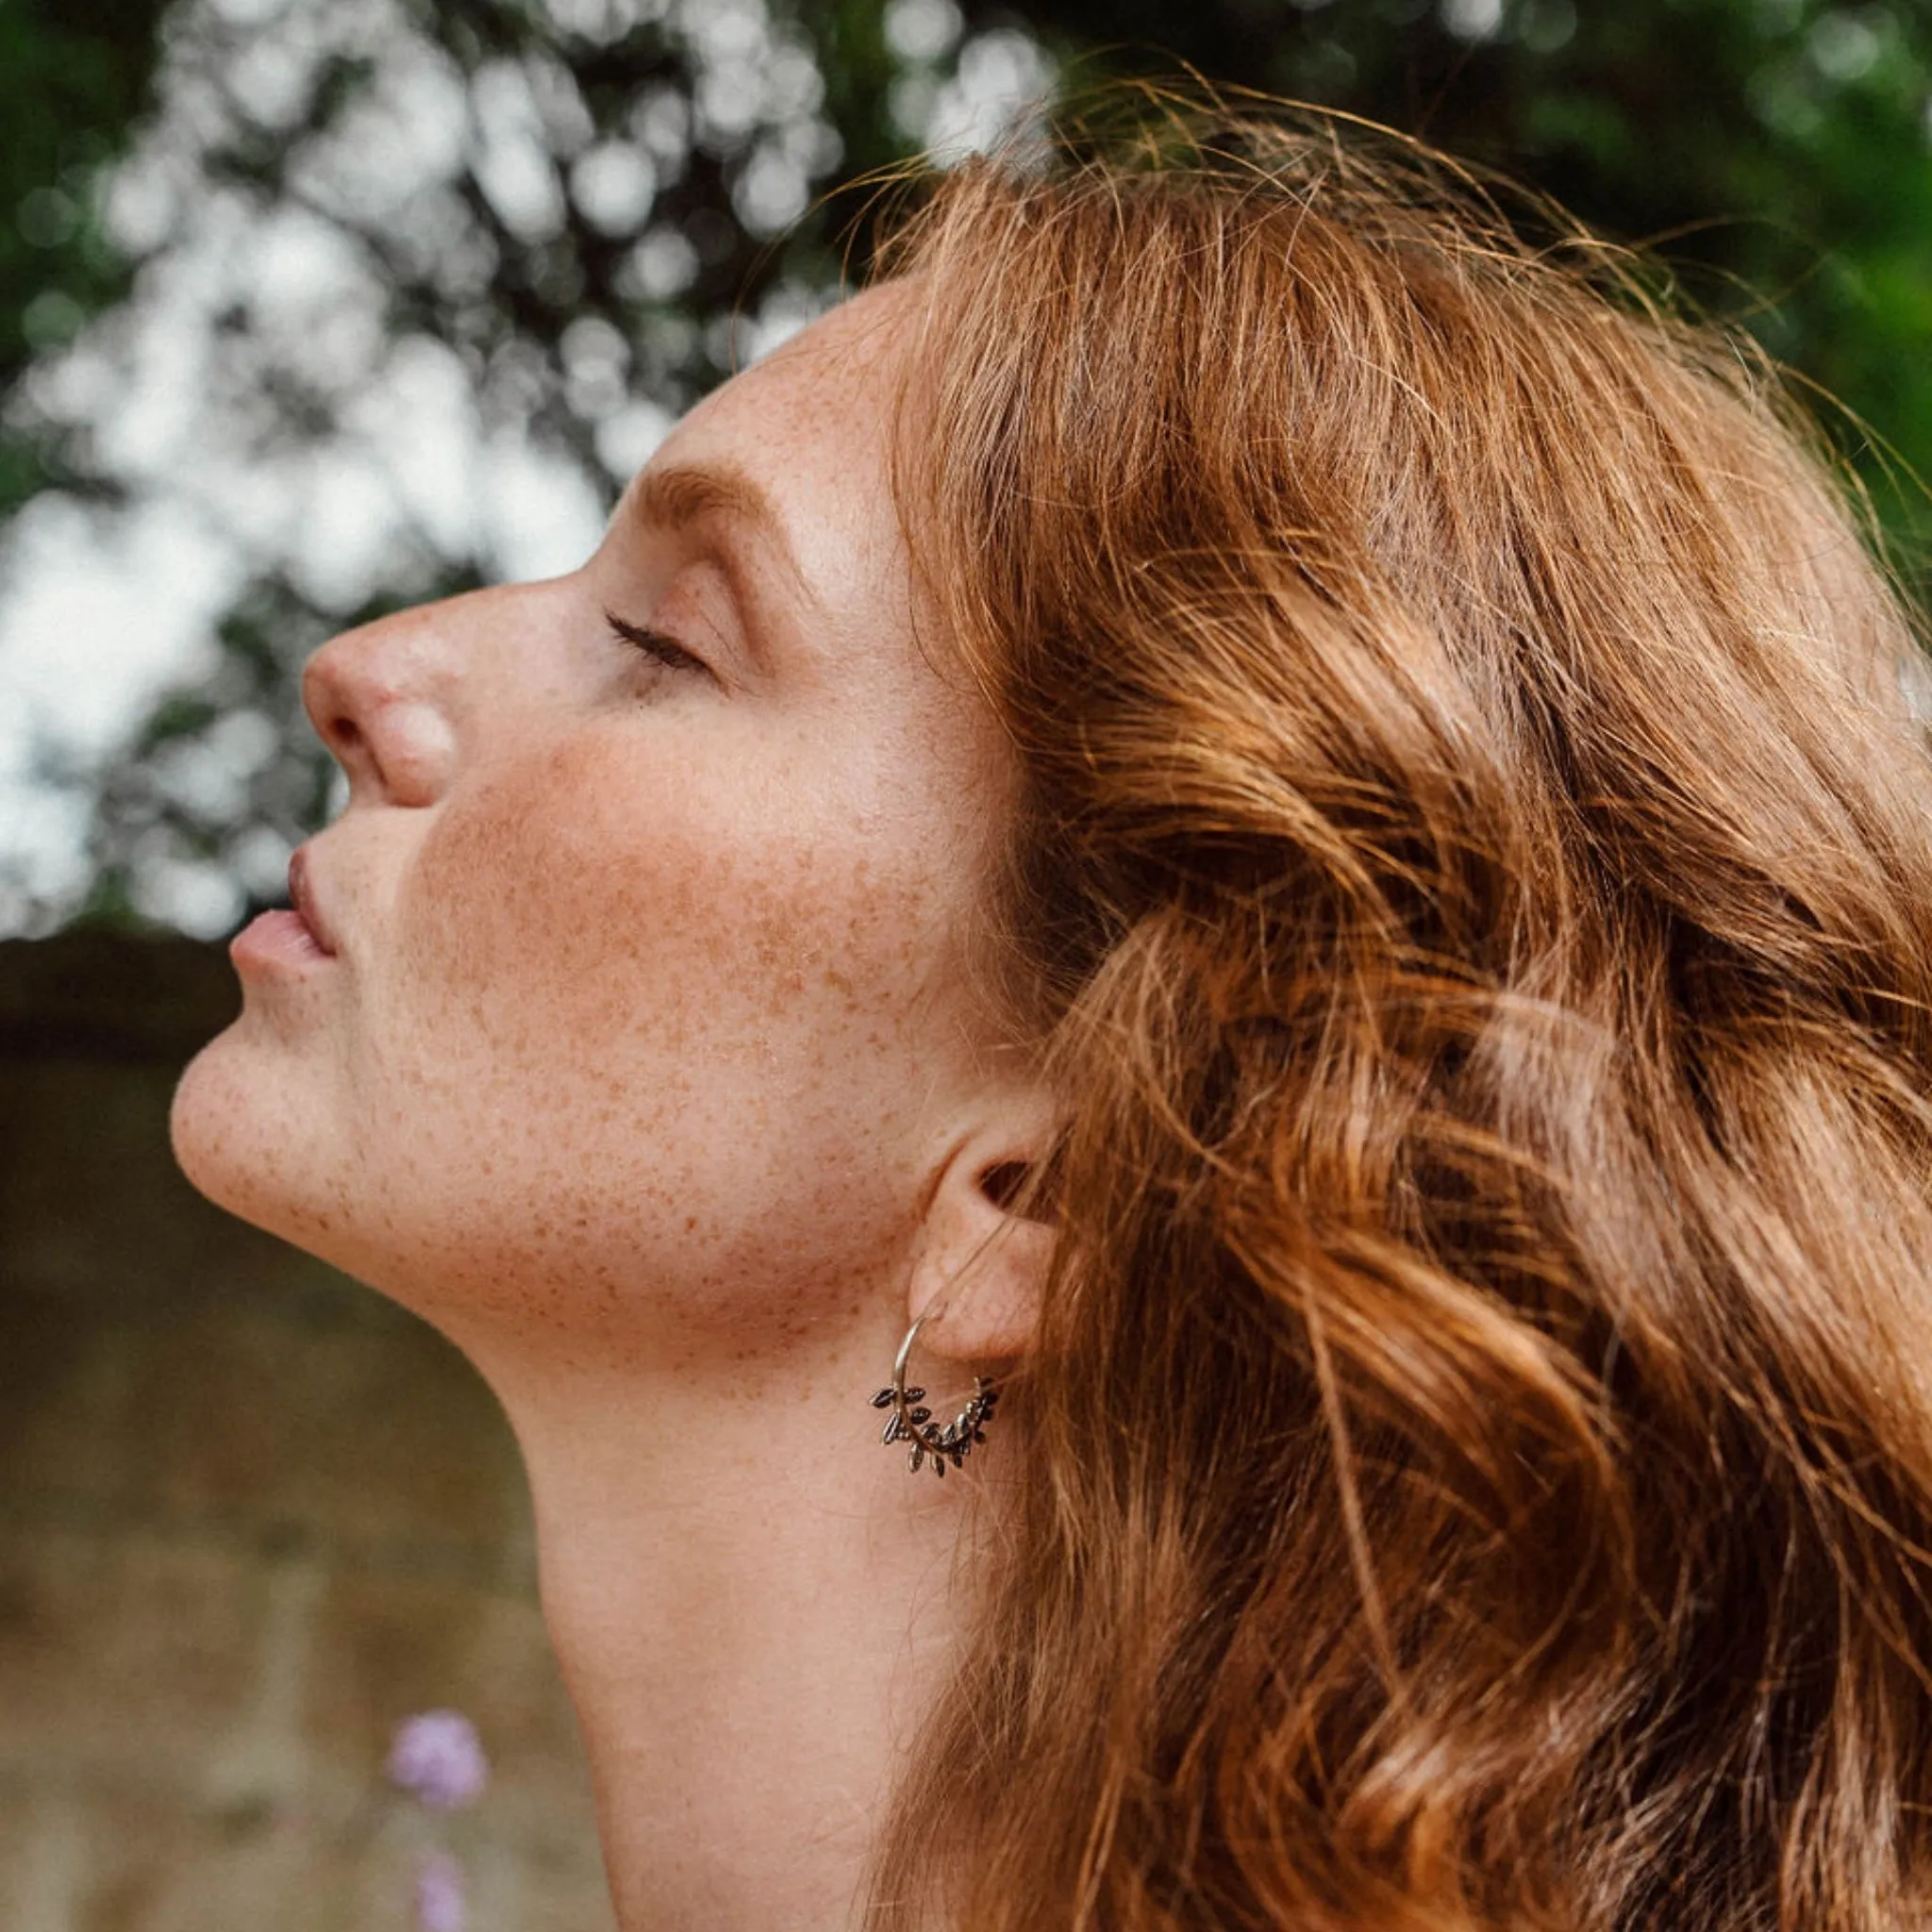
point(301, 897)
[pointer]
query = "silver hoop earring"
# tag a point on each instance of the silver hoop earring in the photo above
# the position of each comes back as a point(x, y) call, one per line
point(910, 1421)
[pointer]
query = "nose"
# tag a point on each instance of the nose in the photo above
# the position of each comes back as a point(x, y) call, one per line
point(382, 698)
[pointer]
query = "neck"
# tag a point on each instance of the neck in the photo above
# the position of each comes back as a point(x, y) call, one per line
point(749, 1600)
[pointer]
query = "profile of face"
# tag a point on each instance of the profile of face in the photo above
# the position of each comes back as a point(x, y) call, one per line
point(625, 1007)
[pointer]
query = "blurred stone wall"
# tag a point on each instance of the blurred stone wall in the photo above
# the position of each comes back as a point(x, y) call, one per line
point(251, 1516)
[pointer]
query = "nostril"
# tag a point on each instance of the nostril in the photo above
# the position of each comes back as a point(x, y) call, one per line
point(377, 698)
point(341, 737)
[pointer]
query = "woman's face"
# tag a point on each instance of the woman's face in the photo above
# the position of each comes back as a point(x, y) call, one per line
point(643, 1018)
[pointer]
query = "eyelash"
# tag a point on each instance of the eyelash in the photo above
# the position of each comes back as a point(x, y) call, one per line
point(654, 644)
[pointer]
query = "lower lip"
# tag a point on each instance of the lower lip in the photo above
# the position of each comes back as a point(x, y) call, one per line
point(276, 939)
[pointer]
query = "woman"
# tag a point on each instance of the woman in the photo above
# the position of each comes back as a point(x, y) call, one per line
point(1251, 814)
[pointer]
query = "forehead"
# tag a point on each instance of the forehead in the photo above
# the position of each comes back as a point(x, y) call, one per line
point(810, 424)
point(831, 386)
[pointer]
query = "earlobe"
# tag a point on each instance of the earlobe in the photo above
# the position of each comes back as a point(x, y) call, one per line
point(982, 1264)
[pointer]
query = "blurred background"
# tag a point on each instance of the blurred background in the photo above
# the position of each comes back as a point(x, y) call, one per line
point(309, 308)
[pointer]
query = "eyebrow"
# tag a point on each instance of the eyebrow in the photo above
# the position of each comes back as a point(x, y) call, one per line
point(681, 494)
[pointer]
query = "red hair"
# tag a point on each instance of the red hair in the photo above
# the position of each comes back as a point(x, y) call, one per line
point(1471, 887)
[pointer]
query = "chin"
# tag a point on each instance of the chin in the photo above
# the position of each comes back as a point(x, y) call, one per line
point(245, 1140)
point(257, 1131)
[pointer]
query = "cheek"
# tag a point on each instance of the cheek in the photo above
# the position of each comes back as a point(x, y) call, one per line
point(578, 909)
point(663, 1019)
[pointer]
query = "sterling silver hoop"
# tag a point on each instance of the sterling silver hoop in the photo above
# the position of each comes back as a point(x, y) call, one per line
point(911, 1421)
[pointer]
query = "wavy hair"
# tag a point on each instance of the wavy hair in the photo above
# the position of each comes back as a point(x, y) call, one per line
point(1471, 887)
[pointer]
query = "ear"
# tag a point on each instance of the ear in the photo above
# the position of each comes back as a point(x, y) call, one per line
point(981, 1263)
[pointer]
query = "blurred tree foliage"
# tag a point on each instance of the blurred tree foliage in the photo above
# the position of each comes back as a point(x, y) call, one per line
point(334, 218)
point(73, 75)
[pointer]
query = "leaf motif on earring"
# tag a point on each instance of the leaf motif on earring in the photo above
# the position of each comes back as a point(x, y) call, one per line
point(940, 1442)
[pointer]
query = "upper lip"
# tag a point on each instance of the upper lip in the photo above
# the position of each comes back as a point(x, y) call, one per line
point(301, 897)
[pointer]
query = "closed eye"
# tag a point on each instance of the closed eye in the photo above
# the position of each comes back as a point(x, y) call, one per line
point(655, 645)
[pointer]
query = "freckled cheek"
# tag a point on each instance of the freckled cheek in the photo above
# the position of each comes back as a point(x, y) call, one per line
point(592, 925)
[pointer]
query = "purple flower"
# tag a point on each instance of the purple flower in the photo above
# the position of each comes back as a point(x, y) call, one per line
point(438, 1756)
point(440, 1894)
